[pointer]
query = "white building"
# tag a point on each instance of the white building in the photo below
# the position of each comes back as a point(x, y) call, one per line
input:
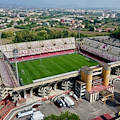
point(112, 16)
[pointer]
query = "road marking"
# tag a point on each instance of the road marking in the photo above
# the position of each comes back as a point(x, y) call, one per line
point(59, 109)
point(80, 100)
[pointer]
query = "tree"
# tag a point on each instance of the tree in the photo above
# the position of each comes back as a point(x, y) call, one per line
point(27, 19)
point(4, 35)
point(12, 22)
point(116, 34)
point(64, 116)
point(87, 25)
point(73, 34)
point(91, 28)
point(65, 33)
point(10, 34)
point(6, 20)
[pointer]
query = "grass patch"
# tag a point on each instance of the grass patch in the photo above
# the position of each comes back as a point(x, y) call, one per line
point(41, 68)
point(88, 33)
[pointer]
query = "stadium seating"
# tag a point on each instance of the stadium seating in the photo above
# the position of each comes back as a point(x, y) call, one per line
point(69, 51)
point(21, 46)
point(26, 49)
point(33, 45)
point(45, 55)
point(115, 51)
point(27, 58)
point(107, 40)
point(67, 41)
point(72, 40)
point(53, 54)
point(47, 43)
point(61, 52)
point(95, 44)
point(36, 56)
point(6, 79)
point(4, 48)
point(58, 42)
point(103, 50)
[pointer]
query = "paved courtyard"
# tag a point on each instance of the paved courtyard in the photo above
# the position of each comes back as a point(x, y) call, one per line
point(83, 108)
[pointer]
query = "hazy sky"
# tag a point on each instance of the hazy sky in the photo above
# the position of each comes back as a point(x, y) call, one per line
point(66, 3)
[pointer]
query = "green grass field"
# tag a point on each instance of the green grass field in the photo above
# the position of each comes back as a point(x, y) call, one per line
point(41, 68)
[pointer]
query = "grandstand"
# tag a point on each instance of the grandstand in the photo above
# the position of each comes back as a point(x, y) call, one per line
point(7, 75)
point(55, 47)
point(40, 49)
point(32, 50)
point(107, 40)
point(101, 49)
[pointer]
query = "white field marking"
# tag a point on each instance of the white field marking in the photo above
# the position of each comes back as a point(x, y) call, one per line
point(35, 70)
point(26, 76)
point(58, 65)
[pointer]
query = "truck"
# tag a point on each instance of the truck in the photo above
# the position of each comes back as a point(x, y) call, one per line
point(69, 101)
point(63, 102)
point(26, 112)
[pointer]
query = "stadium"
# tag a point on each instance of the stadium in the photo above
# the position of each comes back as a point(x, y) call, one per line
point(58, 63)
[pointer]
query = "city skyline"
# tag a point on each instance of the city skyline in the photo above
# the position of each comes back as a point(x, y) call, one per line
point(65, 3)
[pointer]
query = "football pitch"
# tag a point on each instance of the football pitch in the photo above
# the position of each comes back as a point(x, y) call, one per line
point(46, 67)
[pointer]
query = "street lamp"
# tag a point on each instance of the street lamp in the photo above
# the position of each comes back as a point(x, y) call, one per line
point(79, 32)
point(15, 54)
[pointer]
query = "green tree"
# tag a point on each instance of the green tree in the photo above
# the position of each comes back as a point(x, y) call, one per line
point(65, 33)
point(91, 28)
point(10, 34)
point(64, 116)
point(116, 34)
point(4, 35)
point(6, 20)
point(87, 25)
point(73, 34)
point(27, 19)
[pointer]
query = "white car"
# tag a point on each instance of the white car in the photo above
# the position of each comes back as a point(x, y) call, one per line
point(71, 93)
point(75, 97)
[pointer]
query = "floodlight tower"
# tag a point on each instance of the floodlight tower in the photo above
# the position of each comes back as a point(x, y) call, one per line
point(79, 38)
point(79, 32)
point(15, 54)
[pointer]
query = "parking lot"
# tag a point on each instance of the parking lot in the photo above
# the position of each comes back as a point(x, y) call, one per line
point(84, 109)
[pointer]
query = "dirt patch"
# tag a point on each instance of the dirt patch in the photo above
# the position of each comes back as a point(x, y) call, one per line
point(10, 29)
point(6, 41)
point(76, 31)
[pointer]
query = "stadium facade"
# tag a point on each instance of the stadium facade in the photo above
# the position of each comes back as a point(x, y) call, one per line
point(84, 80)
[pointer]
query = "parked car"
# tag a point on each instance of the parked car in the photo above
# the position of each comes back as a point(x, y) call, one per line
point(75, 97)
point(58, 103)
